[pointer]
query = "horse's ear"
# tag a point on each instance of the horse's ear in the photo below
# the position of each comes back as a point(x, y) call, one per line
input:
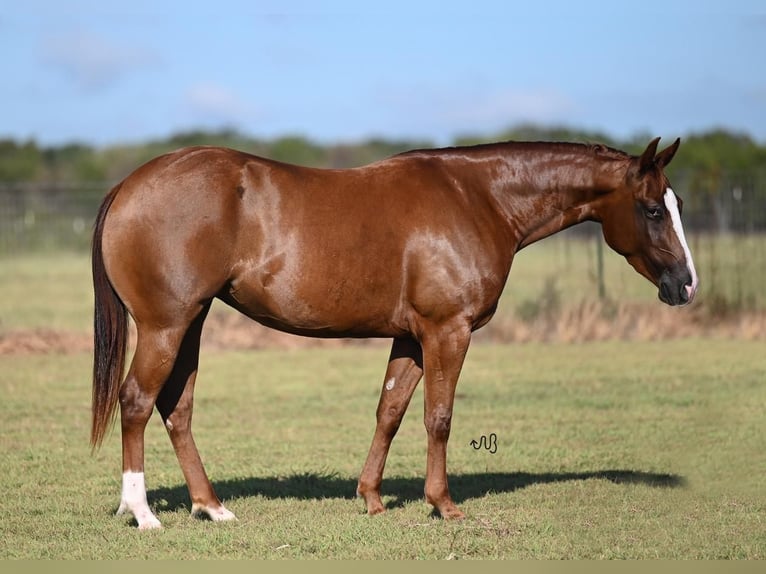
point(646, 161)
point(663, 158)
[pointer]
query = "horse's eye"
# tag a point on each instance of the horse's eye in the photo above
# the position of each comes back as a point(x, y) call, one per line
point(654, 212)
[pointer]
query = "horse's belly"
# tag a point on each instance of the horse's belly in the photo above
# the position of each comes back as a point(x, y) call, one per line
point(322, 307)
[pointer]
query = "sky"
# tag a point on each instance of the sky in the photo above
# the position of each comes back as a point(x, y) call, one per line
point(107, 73)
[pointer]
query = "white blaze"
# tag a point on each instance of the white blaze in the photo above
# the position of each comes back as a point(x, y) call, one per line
point(390, 383)
point(675, 217)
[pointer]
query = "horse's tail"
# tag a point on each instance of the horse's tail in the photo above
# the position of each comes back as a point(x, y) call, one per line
point(110, 336)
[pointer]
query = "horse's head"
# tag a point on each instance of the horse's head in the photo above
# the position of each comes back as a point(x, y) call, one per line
point(642, 221)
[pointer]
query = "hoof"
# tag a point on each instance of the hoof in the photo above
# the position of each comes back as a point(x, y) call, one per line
point(372, 511)
point(448, 511)
point(373, 502)
point(150, 524)
point(453, 514)
point(216, 514)
point(144, 517)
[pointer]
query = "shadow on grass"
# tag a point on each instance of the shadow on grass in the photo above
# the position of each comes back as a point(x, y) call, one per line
point(306, 486)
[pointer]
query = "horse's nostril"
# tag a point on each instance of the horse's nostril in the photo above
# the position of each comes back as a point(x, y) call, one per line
point(685, 290)
point(665, 292)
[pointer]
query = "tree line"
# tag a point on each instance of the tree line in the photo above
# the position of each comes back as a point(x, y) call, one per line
point(721, 171)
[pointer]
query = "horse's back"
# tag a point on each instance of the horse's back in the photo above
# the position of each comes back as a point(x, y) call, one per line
point(314, 251)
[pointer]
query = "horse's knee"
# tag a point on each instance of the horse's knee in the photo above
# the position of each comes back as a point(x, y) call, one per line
point(439, 422)
point(135, 405)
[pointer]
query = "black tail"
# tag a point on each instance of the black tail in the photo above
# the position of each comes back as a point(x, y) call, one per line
point(110, 336)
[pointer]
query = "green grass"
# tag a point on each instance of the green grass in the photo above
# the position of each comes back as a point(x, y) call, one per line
point(46, 291)
point(605, 450)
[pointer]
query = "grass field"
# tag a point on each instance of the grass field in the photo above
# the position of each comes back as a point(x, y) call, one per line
point(604, 450)
point(616, 449)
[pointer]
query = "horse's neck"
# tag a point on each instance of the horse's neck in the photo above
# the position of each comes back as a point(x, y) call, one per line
point(539, 194)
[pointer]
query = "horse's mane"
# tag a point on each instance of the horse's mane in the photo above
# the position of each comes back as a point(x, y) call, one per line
point(597, 149)
point(605, 150)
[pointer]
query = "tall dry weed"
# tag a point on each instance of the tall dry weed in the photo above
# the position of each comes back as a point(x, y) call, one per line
point(593, 320)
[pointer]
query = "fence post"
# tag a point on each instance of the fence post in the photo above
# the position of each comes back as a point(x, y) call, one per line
point(600, 267)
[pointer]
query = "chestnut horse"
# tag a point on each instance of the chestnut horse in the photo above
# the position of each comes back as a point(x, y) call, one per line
point(416, 248)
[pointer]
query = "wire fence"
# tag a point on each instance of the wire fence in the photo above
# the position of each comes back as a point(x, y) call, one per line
point(725, 222)
point(47, 217)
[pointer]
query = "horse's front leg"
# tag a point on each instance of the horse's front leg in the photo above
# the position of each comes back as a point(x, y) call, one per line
point(405, 367)
point(444, 350)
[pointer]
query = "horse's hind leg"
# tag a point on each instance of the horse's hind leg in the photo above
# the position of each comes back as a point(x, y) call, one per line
point(405, 367)
point(175, 404)
point(153, 361)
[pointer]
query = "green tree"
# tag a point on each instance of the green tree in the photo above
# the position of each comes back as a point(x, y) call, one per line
point(20, 162)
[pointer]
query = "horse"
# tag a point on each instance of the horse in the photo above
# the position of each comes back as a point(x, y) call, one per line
point(416, 248)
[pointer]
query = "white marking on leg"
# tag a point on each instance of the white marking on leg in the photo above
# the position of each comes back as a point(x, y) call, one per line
point(675, 217)
point(390, 383)
point(133, 500)
point(217, 514)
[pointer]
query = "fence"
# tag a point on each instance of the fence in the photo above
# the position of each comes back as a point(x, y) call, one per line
point(47, 217)
point(725, 222)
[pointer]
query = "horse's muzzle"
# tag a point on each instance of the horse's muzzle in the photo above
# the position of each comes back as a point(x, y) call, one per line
point(676, 287)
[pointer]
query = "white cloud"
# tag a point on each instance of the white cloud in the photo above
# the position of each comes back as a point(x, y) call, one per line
point(503, 108)
point(449, 112)
point(212, 102)
point(90, 61)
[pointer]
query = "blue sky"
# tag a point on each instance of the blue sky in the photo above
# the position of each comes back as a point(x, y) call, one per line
point(102, 72)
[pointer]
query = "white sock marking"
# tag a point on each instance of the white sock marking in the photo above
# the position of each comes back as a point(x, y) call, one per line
point(675, 217)
point(133, 500)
